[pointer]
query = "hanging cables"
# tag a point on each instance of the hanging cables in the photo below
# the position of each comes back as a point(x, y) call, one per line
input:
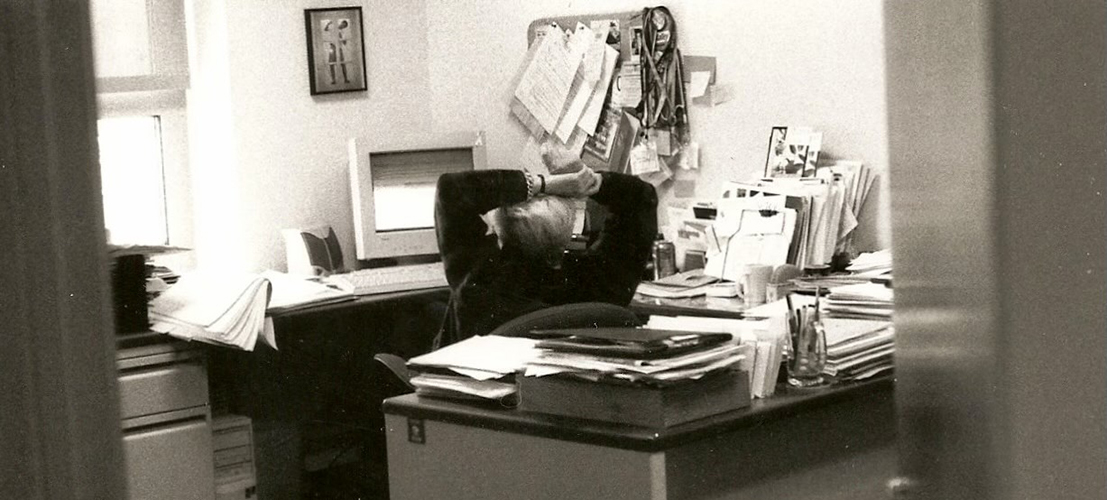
point(663, 102)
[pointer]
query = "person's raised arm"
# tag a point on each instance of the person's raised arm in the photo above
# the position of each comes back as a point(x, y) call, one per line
point(460, 200)
point(625, 242)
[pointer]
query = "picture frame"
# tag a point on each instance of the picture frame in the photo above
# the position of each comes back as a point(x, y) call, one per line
point(793, 152)
point(335, 50)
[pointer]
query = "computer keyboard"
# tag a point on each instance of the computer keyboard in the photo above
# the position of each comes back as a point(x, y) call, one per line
point(391, 279)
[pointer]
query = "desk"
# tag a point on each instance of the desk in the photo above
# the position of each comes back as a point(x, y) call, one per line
point(313, 401)
point(832, 443)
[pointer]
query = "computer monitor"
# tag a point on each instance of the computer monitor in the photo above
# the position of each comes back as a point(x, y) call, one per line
point(392, 185)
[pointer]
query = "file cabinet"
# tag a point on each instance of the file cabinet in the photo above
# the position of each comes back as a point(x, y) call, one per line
point(166, 418)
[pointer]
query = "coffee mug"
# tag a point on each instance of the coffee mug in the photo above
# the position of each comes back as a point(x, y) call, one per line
point(755, 279)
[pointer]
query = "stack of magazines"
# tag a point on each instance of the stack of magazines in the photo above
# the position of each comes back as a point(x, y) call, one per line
point(640, 376)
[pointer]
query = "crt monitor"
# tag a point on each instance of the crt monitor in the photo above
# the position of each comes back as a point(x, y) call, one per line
point(392, 183)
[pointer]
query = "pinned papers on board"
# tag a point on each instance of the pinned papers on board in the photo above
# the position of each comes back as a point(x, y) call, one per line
point(548, 77)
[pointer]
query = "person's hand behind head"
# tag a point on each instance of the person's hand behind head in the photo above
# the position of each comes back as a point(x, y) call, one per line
point(580, 183)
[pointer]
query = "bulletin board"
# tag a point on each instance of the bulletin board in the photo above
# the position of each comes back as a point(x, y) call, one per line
point(628, 22)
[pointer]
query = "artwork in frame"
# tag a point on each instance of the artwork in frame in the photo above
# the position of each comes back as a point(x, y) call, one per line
point(793, 152)
point(336, 50)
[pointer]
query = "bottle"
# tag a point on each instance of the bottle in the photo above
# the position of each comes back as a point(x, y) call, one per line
point(663, 258)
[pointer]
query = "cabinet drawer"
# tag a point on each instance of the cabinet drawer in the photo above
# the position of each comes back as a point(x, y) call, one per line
point(162, 388)
point(170, 462)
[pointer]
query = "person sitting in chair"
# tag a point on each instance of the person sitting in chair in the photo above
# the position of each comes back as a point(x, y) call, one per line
point(503, 234)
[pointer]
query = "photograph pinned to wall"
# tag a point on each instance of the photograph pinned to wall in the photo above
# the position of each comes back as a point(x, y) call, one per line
point(788, 152)
point(336, 50)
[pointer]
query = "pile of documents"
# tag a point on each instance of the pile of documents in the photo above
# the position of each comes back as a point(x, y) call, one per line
point(858, 349)
point(860, 301)
point(480, 367)
point(774, 221)
point(636, 355)
point(640, 376)
point(230, 309)
point(222, 309)
point(860, 337)
point(871, 263)
point(760, 337)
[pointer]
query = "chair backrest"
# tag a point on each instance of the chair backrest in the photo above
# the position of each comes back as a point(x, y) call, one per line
point(578, 315)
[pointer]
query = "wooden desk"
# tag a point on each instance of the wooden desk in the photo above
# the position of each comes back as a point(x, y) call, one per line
point(833, 443)
point(314, 401)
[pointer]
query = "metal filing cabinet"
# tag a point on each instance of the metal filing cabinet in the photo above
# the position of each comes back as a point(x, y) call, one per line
point(166, 418)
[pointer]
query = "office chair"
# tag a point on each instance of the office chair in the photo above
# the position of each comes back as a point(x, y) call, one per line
point(578, 315)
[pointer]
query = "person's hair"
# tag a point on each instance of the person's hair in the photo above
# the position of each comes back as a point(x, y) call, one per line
point(540, 227)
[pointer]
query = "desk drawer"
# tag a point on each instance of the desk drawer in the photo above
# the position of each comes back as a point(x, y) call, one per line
point(162, 388)
point(170, 462)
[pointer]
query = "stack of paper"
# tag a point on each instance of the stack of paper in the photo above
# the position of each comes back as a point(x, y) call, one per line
point(858, 349)
point(636, 355)
point(221, 309)
point(857, 180)
point(481, 367)
point(871, 263)
point(760, 341)
point(801, 221)
point(639, 376)
point(860, 301)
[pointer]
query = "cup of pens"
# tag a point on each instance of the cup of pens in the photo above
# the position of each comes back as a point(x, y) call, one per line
point(808, 342)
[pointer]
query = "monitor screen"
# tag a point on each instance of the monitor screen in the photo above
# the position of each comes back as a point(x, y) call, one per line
point(392, 184)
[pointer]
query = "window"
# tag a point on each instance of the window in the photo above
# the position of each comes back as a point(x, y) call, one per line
point(141, 56)
point(133, 179)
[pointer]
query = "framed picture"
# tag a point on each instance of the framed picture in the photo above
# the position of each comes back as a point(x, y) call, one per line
point(336, 50)
point(790, 151)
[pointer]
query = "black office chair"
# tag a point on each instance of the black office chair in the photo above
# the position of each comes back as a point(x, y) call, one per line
point(578, 315)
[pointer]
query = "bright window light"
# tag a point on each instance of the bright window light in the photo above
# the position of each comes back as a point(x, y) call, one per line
point(133, 180)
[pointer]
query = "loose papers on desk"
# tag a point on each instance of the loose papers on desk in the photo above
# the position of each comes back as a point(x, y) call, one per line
point(860, 300)
point(478, 367)
point(858, 348)
point(639, 376)
point(230, 309)
point(222, 309)
point(760, 342)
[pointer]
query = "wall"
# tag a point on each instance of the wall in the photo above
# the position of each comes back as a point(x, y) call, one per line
point(817, 63)
point(267, 154)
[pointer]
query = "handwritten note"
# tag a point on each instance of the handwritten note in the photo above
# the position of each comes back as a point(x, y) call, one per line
point(544, 85)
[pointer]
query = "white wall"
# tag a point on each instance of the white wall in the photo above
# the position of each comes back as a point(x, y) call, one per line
point(267, 155)
point(817, 63)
